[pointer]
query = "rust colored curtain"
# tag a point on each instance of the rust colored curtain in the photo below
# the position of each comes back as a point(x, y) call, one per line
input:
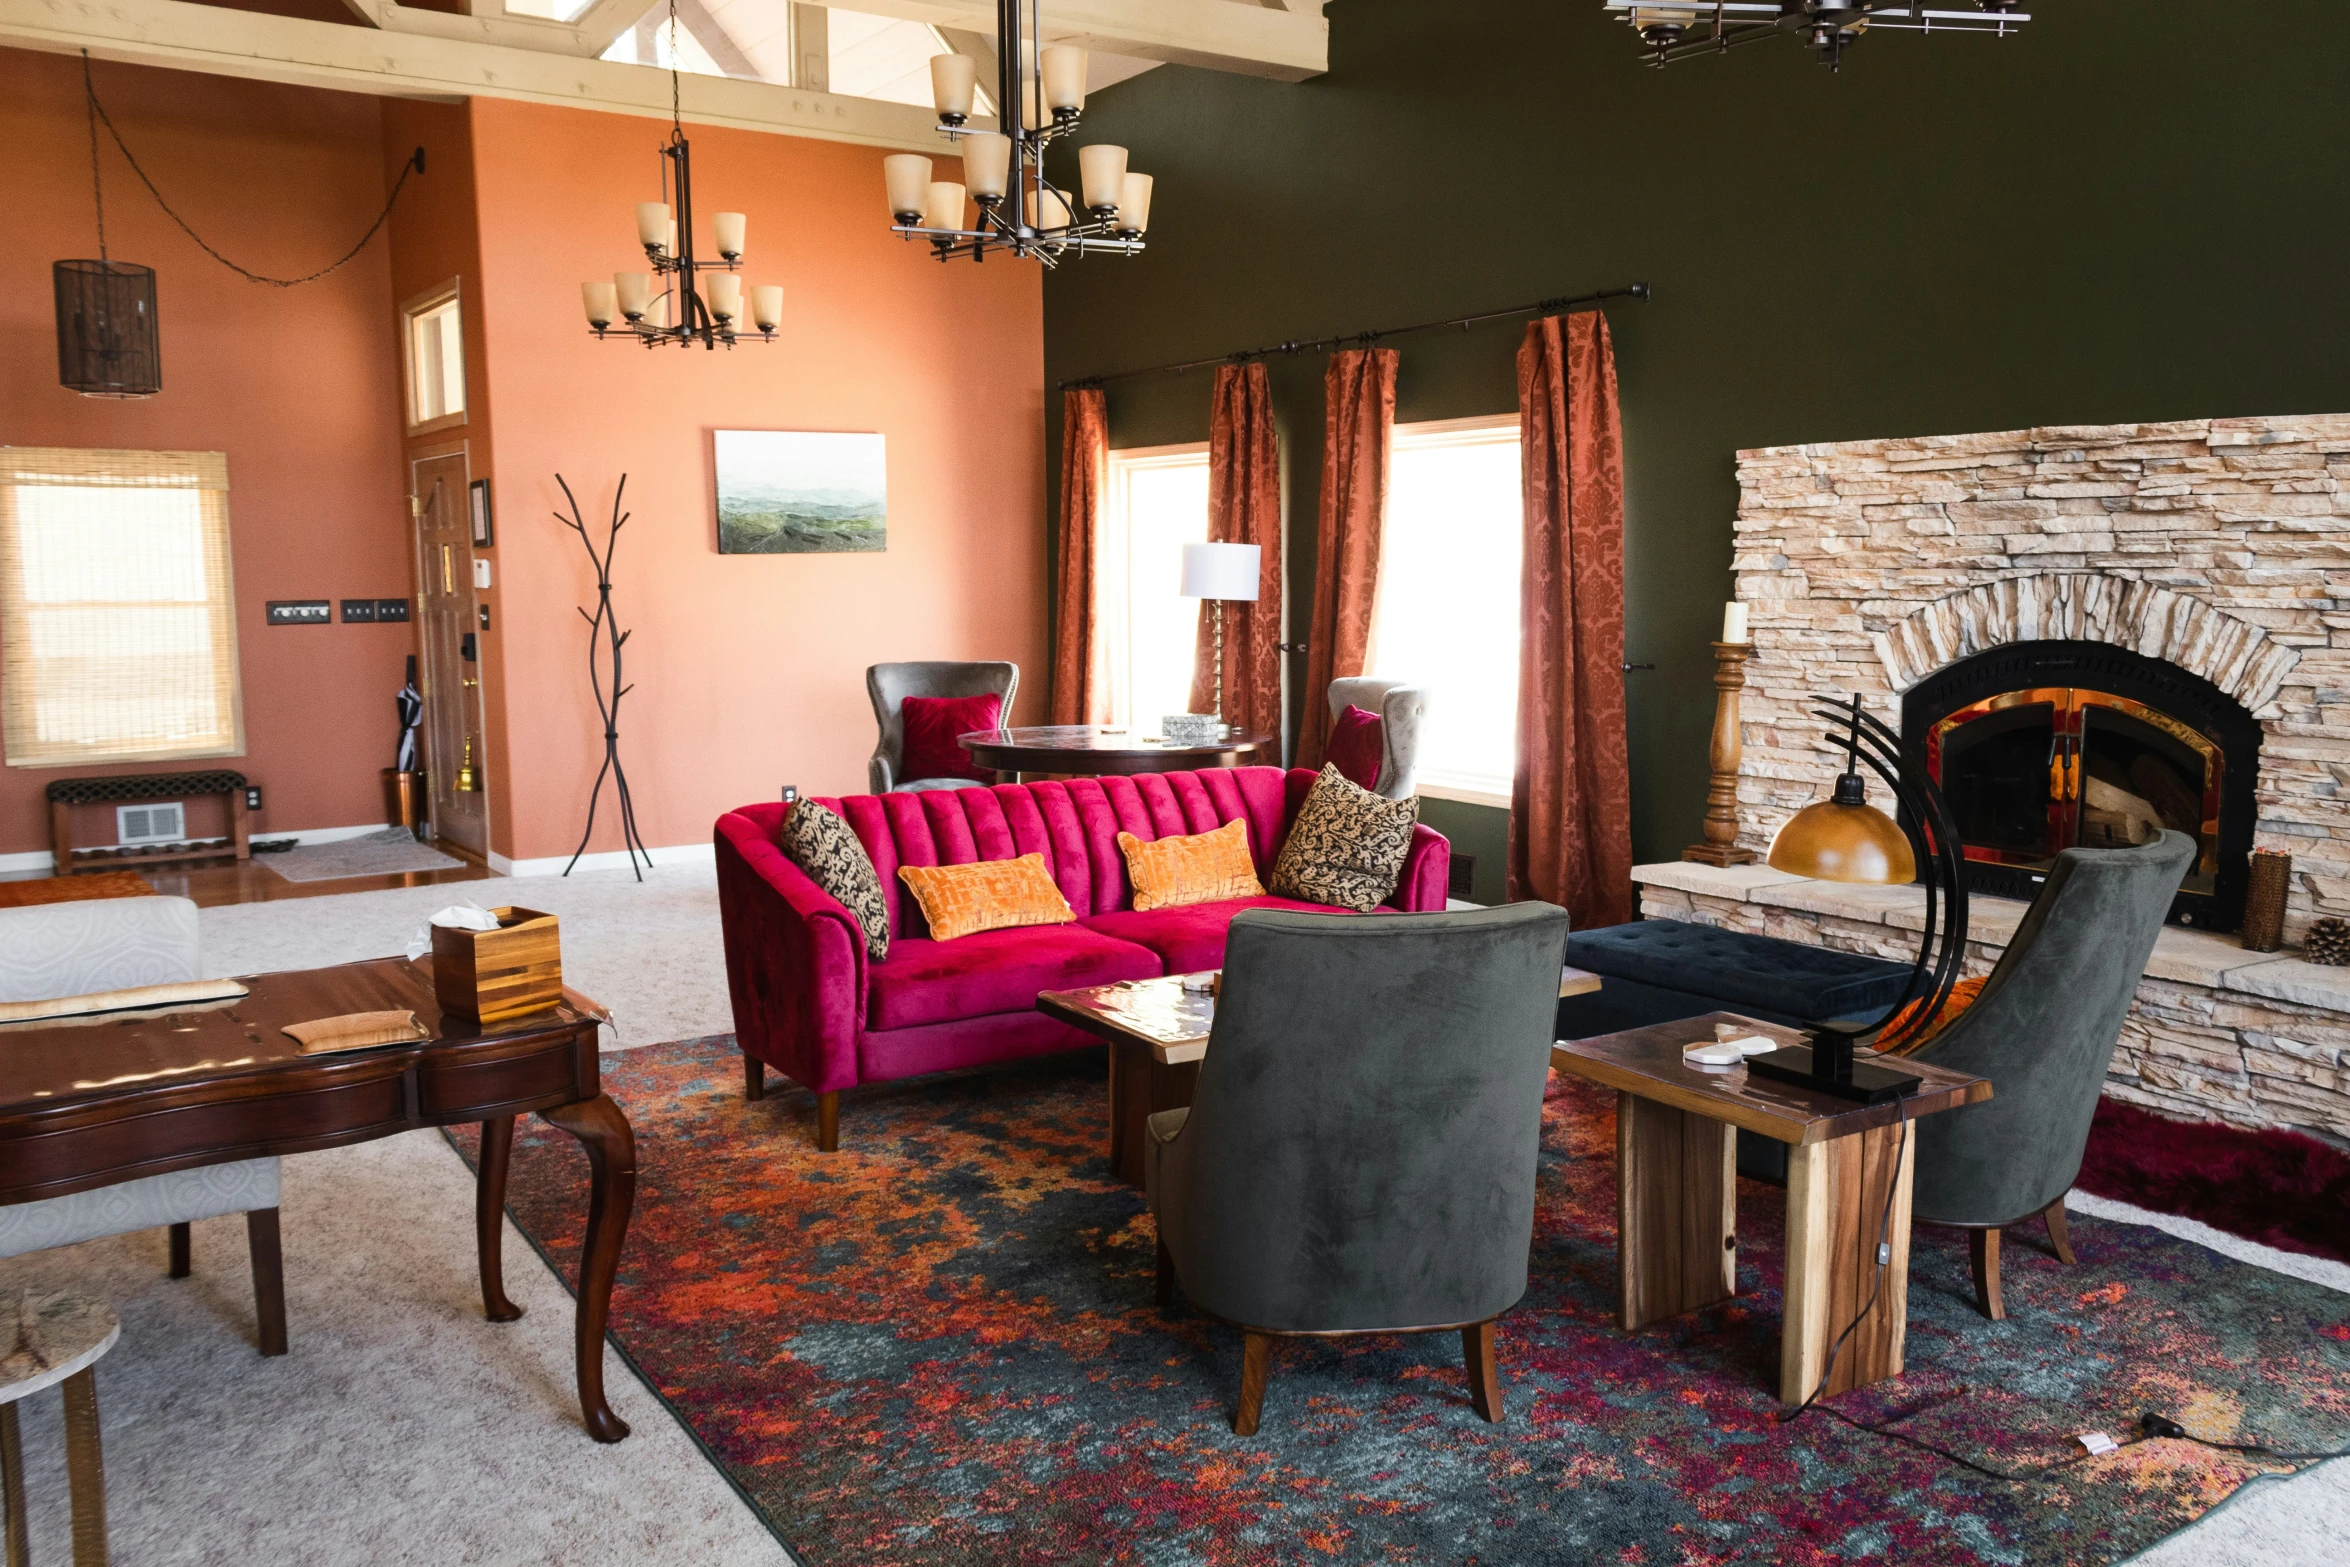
point(1080, 683)
point(1358, 394)
point(1244, 507)
point(1570, 806)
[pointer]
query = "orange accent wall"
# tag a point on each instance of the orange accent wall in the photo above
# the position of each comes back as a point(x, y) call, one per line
point(748, 670)
point(295, 385)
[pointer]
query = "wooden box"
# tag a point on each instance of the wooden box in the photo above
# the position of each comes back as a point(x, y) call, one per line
point(498, 974)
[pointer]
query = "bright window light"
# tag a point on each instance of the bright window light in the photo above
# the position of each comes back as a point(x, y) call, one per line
point(1446, 616)
point(436, 363)
point(1157, 503)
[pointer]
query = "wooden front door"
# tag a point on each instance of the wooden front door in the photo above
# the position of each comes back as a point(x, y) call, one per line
point(449, 638)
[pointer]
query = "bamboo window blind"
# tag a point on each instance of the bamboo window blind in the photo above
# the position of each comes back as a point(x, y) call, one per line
point(118, 632)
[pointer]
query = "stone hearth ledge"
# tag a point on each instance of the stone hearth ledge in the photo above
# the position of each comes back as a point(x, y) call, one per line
point(2259, 1038)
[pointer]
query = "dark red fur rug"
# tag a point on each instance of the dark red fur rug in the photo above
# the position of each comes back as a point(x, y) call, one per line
point(2280, 1188)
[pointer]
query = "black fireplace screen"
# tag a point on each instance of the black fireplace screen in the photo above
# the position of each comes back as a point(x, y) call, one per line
point(2043, 746)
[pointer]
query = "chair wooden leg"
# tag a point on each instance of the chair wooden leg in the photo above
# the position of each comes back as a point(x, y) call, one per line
point(1255, 1352)
point(828, 1122)
point(182, 1244)
point(85, 1469)
point(1983, 1254)
point(20, 1551)
point(2060, 1235)
point(1484, 1375)
point(269, 1278)
point(754, 1078)
point(1166, 1277)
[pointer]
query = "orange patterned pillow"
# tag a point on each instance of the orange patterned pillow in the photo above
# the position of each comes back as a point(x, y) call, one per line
point(962, 900)
point(1206, 867)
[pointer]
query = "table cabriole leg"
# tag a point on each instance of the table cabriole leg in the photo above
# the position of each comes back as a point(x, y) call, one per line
point(489, 1217)
point(604, 1135)
point(85, 1468)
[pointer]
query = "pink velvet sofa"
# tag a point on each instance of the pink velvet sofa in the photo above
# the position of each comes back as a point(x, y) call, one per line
point(808, 1002)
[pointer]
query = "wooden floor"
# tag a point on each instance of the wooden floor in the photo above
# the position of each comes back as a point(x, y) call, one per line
point(211, 883)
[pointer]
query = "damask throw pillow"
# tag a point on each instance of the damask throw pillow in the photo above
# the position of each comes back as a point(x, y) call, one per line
point(827, 848)
point(1206, 867)
point(1348, 847)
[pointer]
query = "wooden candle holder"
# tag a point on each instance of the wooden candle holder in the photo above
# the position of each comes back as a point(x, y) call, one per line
point(1721, 795)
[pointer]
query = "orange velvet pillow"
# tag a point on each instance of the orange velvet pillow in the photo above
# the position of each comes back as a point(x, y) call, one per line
point(962, 900)
point(1206, 867)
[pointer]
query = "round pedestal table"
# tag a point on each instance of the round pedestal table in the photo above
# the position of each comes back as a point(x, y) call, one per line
point(1092, 750)
point(45, 1340)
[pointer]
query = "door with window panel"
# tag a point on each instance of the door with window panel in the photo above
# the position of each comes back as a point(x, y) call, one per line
point(450, 641)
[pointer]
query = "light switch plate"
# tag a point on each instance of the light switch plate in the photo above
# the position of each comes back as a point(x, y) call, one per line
point(481, 573)
point(391, 609)
point(358, 612)
point(300, 612)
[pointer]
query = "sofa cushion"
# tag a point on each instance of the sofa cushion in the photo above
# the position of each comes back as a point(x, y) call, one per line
point(1189, 937)
point(1347, 846)
point(928, 981)
point(1755, 971)
point(820, 843)
point(962, 900)
point(1207, 867)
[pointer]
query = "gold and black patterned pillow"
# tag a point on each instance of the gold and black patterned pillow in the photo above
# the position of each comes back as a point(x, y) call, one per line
point(826, 847)
point(1348, 847)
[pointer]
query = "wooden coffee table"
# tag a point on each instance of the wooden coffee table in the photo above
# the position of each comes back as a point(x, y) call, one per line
point(1158, 1035)
point(1677, 1193)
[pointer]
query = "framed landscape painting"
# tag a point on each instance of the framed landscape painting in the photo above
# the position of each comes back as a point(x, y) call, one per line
point(801, 492)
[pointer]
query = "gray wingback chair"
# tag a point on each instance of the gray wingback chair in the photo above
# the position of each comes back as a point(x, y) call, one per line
point(1401, 708)
point(1359, 1154)
point(890, 684)
point(97, 944)
point(2043, 1030)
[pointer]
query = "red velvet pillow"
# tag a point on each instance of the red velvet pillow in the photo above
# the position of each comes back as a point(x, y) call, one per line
point(1357, 740)
point(932, 722)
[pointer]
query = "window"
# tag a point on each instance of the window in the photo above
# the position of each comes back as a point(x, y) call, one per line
point(436, 360)
point(1157, 503)
point(118, 634)
point(1446, 616)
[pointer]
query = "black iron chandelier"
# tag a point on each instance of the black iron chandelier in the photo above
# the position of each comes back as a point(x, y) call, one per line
point(689, 308)
point(1039, 95)
point(1827, 28)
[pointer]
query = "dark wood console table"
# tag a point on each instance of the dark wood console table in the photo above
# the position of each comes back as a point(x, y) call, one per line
point(95, 1101)
point(1093, 751)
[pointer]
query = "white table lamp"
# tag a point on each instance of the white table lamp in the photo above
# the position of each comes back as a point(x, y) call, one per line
point(1221, 572)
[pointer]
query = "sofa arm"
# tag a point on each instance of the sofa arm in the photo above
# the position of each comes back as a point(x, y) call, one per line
point(795, 959)
point(1427, 874)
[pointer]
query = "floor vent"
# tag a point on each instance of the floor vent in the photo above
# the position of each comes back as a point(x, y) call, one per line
point(135, 825)
point(1463, 882)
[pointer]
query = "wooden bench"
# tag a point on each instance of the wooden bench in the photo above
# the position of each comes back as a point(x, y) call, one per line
point(66, 793)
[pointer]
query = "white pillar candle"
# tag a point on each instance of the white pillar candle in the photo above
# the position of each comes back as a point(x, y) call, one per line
point(953, 79)
point(603, 307)
point(726, 296)
point(652, 223)
point(727, 229)
point(987, 164)
point(908, 176)
point(635, 290)
point(1064, 77)
point(1046, 210)
point(1101, 172)
point(767, 306)
point(1733, 622)
point(945, 208)
point(1134, 204)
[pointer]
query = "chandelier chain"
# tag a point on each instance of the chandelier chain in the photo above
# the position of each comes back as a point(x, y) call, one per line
point(98, 116)
point(97, 184)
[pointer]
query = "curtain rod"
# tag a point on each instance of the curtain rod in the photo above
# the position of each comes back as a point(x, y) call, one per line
point(1540, 307)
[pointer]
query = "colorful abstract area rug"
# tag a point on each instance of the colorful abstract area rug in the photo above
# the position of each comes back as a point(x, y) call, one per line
point(939, 1346)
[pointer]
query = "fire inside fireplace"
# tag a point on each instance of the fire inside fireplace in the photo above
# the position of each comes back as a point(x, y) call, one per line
point(2043, 746)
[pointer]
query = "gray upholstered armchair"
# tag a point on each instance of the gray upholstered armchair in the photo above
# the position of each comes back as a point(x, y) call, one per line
point(1401, 709)
point(1359, 1155)
point(890, 684)
point(2043, 1030)
point(99, 944)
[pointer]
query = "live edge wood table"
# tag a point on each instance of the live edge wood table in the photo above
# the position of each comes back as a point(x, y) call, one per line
point(1158, 1035)
point(1677, 1193)
point(111, 1098)
point(1092, 750)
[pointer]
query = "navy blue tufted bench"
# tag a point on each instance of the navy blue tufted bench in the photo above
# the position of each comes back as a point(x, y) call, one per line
point(1657, 971)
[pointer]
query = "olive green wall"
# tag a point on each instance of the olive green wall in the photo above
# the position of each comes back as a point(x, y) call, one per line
point(2137, 209)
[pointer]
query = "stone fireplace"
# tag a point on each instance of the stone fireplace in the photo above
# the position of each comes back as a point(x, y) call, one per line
point(2089, 634)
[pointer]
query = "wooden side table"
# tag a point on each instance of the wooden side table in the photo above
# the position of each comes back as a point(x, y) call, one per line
point(46, 1340)
point(1677, 1193)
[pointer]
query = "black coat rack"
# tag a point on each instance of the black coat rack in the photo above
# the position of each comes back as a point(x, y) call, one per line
point(606, 639)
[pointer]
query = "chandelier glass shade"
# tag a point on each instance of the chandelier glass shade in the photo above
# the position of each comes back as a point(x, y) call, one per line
point(1004, 202)
point(1673, 29)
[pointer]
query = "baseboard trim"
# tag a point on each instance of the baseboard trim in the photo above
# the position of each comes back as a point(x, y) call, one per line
point(673, 856)
point(44, 860)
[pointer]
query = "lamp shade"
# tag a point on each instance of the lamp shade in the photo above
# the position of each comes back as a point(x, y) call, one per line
point(1844, 839)
point(1101, 170)
point(108, 344)
point(987, 165)
point(908, 176)
point(1221, 571)
point(954, 78)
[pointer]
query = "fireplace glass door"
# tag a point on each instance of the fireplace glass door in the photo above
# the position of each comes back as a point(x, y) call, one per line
point(2031, 773)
